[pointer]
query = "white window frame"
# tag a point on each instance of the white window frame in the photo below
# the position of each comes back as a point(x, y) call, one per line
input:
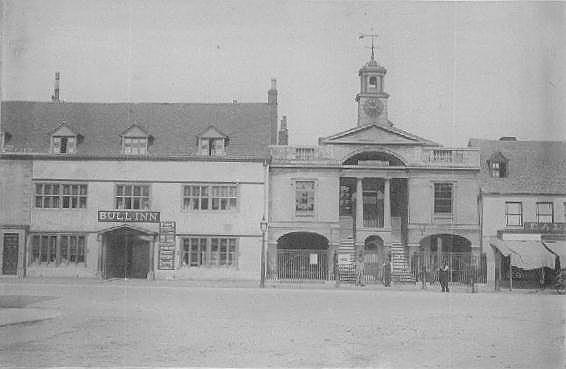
point(212, 146)
point(124, 196)
point(47, 194)
point(53, 249)
point(452, 198)
point(209, 252)
point(509, 215)
point(220, 197)
point(132, 145)
point(541, 215)
point(70, 144)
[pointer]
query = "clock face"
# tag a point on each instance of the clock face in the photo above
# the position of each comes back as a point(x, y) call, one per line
point(373, 107)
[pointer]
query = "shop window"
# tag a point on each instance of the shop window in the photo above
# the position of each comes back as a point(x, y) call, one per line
point(209, 251)
point(131, 196)
point(210, 197)
point(513, 214)
point(304, 198)
point(57, 249)
point(60, 195)
point(443, 198)
point(545, 212)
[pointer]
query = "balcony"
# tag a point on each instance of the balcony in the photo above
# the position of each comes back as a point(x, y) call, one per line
point(446, 157)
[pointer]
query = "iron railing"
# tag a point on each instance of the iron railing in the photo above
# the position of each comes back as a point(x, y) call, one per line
point(299, 265)
point(464, 268)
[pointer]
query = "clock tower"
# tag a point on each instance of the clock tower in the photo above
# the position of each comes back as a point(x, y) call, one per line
point(372, 100)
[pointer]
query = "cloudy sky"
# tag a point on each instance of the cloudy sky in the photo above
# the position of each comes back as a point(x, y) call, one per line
point(455, 70)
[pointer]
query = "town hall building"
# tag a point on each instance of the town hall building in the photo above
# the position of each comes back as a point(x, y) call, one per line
point(376, 193)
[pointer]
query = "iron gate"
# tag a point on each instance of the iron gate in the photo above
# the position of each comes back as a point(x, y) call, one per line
point(298, 264)
point(463, 267)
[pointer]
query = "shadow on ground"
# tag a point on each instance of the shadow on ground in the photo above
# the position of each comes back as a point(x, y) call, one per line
point(21, 301)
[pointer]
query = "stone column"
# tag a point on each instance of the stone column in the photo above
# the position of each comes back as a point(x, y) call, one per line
point(439, 251)
point(359, 203)
point(387, 204)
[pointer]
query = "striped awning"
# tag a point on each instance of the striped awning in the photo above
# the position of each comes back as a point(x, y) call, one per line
point(558, 248)
point(525, 254)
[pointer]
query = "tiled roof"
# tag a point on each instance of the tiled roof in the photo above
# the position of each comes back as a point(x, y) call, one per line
point(173, 126)
point(534, 167)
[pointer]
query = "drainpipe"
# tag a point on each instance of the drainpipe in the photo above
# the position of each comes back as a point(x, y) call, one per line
point(266, 197)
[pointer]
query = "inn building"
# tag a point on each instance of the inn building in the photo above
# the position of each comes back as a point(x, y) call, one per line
point(373, 192)
point(134, 190)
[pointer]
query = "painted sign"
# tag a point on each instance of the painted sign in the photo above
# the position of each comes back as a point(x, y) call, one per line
point(167, 245)
point(167, 232)
point(533, 227)
point(313, 259)
point(132, 216)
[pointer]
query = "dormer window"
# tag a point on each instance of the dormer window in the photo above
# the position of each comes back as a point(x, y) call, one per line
point(135, 141)
point(63, 140)
point(135, 145)
point(497, 165)
point(212, 142)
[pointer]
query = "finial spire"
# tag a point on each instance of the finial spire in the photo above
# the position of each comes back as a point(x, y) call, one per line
point(373, 36)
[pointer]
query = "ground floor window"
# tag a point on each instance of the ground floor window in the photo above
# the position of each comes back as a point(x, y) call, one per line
point(209, 251)
point(57, 249)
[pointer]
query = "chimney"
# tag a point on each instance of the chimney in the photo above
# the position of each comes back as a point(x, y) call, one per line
point(272, 93)
point(283, 138)
point(55, 96)
point(508, 138)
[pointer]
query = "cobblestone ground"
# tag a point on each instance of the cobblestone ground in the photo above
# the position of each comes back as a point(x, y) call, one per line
point(144, 324)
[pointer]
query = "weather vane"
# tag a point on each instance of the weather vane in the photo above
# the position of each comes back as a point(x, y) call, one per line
point(373, 36)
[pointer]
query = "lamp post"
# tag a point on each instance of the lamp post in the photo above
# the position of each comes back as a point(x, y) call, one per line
point(263, 228)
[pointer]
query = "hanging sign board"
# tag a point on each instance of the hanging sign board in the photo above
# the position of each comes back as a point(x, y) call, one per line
point(167, 245)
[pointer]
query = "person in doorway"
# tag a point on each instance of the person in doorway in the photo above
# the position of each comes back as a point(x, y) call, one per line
point(360, 270)
point(443, 278)
point(387, 272)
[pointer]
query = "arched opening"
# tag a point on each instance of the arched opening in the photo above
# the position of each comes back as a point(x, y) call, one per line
point(374, 257)
point(374, 158)
point(452, 250)
point(126, 253)
point(302, 255)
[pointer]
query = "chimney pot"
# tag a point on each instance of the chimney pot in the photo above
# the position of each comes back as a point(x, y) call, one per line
point(274, 84)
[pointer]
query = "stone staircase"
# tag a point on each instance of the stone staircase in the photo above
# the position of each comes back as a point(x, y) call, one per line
point(347, 250)
point(400, 271)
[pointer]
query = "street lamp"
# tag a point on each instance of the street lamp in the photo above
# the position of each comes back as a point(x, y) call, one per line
point(263, 228)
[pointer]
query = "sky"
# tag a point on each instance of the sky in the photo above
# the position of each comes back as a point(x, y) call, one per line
point(455, 70)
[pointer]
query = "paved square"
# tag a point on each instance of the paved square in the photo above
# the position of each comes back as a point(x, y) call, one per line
point(140, 323)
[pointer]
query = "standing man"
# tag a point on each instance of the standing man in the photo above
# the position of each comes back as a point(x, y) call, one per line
point(387, 271)
point(443, 278)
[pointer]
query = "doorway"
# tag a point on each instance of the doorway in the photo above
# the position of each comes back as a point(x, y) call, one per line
point(126, 255)
point(10, 254)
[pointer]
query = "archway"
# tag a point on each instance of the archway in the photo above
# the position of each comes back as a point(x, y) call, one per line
point(448, 249)
point(302, 255)
point(374, 257)
point(127, 253)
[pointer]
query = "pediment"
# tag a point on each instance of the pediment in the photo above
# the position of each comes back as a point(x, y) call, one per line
point(211, 132)
point(134, 131)
point(376, 134)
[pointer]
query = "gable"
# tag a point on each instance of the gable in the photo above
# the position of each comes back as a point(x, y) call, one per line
point(374, 134)
point(63, 131)
point(134, 131)
point(211, 132)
